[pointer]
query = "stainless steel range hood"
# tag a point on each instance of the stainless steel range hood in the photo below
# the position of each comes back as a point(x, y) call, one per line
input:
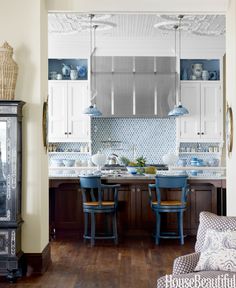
point(135, 86)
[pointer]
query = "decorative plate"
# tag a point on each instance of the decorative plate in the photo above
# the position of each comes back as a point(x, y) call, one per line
point(229, 129)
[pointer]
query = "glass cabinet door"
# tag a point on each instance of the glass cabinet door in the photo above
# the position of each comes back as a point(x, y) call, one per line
point(3, 168)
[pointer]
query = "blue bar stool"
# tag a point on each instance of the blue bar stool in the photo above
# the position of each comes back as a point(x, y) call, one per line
point(168, 206)
point(93, 203)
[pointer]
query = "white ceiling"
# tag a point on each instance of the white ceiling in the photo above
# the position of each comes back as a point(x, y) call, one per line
point(131, 26)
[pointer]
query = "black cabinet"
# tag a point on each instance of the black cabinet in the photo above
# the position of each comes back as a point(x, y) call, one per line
point(10, 187)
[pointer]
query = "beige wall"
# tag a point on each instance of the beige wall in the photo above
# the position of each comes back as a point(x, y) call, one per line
point(231, 98)
point(20, 25)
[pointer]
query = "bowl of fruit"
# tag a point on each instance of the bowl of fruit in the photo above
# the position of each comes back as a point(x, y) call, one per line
point(137, 166)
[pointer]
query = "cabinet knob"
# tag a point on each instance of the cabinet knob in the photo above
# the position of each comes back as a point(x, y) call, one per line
point(65, 133)
point(202, 133)
point(69, 133)
point(198, 133)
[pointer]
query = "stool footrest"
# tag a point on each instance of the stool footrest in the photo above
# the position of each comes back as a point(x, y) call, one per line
point(100, 237)
point(170, 235)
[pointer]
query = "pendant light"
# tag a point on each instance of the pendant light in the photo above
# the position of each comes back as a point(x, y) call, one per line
point(92, 110)
point(178, 110)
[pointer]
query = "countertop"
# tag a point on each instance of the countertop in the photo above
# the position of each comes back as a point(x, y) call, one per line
point(124, 176)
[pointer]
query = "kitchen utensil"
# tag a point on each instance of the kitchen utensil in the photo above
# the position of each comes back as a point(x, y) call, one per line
point(69, 162)
point(53, 75)
point(113, 159)
point(182, 162)
point(205, 75)
point(57, 163)
point(170, 159)
point(213, 162)
point(99, 160)
point(185, 75)
point(194, 161)
point(59, 76)
point(197, 70)
point(213, 75)
point(132, 169)
point(82, 71)
point(65, 70)
point(193, 77)
point(73, 74)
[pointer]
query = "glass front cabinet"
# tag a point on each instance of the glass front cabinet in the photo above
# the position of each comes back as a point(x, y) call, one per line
point(10, 188)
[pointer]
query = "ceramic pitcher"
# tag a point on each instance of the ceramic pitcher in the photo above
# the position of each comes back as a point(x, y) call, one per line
point(197, 70)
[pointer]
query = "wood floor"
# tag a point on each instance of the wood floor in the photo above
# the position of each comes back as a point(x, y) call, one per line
point(135, 262)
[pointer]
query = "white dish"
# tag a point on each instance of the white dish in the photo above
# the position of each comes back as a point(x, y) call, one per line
point(69, 162)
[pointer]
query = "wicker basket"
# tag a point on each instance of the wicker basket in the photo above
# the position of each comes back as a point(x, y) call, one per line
point(8, 73)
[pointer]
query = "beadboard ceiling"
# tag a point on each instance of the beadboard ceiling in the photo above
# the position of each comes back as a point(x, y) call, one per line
point(130, 26)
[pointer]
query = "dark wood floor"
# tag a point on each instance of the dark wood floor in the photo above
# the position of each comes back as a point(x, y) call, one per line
point(135, 262)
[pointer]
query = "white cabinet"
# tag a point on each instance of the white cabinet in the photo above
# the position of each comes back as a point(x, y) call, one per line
point(67, 100)
point(204, 123)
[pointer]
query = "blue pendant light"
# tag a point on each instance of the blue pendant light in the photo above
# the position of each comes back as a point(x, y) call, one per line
point(92, 110)
point(178, 110)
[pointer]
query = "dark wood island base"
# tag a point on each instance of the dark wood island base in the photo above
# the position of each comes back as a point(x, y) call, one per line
point(134, 213)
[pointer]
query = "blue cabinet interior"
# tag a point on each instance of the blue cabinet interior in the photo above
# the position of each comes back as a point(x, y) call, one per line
point(211, 65)
point(56, 65)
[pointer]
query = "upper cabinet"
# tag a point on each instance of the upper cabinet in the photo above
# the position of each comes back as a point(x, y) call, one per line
point(67, 69)
point(67, 100)
point(204, 123)
point(200, 69)
point(135, 86)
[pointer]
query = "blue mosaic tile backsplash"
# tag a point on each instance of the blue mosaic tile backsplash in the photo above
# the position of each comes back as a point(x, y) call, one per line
point(134, 137)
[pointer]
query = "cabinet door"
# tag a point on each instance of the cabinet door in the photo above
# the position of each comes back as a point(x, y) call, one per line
point(211, 112)
point(78, 122)
point(190, 123)
point(57, 105)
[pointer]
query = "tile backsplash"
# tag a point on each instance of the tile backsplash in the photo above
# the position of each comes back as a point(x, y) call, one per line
point(134, 137)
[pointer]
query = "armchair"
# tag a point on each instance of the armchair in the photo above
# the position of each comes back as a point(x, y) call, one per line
point(184, 266)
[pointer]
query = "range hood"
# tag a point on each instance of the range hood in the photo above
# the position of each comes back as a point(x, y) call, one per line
point(132, 86)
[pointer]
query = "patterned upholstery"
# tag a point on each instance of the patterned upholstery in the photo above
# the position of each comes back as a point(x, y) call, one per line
point(184, 265)
point(212, 221)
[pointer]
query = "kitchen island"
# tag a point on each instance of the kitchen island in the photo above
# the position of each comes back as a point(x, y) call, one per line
point(134, 212)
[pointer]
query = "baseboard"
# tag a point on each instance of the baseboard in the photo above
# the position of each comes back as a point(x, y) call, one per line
point(38, 263)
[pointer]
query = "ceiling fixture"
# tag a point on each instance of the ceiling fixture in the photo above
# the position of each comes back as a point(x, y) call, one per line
point(60, 23)
point(92, 110)
point(202, 25)
point(178, 110)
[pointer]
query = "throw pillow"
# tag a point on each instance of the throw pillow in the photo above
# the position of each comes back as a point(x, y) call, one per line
point(218, 252)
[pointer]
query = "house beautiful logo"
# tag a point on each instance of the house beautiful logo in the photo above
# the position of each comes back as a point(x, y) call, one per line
point(198, 281)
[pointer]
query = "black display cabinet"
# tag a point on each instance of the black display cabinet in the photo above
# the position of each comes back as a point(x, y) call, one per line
point(10, 188)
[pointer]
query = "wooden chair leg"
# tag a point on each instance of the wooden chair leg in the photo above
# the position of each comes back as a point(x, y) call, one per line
point(93, 226)
point(180, 227)
point(115, 228)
